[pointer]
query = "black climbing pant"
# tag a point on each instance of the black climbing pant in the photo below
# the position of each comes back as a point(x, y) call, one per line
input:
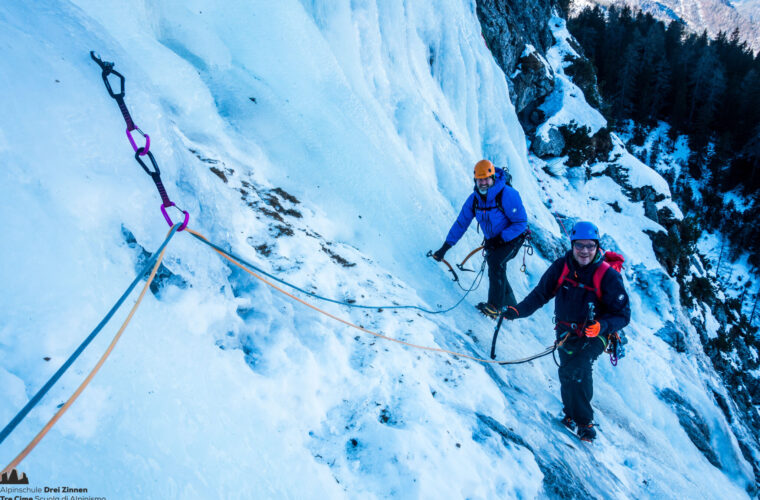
point(499, 290)
point(576, 358)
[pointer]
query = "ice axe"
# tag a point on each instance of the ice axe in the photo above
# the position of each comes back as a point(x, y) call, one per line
point(461, 266)
point(456, 278)
point(496, 333)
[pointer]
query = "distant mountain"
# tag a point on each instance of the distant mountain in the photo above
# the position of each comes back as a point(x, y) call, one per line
point(699, 15)
point(748, 8)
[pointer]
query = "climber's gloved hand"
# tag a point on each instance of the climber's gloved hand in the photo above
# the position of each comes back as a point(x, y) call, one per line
point(593, 329)
point(511, 313)
point(438, 254)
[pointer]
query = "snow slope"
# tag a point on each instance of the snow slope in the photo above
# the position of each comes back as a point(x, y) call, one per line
point(341, 135)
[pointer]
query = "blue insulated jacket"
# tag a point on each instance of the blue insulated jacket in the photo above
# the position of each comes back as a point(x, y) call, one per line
point(509, 224)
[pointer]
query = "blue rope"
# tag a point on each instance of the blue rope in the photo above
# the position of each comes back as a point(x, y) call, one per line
point(474, 285)
point(45, 388)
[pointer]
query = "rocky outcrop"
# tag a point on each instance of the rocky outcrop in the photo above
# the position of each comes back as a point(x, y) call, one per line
point(671, 333)
point(550, 144)
point(517, 33)
point(692, 423)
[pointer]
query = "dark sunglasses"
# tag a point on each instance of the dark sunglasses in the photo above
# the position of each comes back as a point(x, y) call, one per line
point(581, 246)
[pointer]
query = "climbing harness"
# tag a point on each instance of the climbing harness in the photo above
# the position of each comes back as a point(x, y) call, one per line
point(155, 174)
point(527, 249)
point(615, 341)
point(153, 263)
point(616, 346)
point(527, 246)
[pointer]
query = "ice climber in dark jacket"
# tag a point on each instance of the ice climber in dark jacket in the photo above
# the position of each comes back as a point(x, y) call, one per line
point(586, 312)
point(501, 215)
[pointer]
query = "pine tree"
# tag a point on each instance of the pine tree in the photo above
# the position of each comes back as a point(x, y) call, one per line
point(748, 106)
point(708, 83)
point(623, 100)
point(654, 154)
point(654, 76)
point(708, 89)
point(751, 161)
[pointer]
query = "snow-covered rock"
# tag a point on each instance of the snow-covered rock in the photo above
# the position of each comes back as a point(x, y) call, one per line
point(548, 144)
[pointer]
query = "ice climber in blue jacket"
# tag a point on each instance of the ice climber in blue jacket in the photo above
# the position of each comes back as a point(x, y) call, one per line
point(501, 215)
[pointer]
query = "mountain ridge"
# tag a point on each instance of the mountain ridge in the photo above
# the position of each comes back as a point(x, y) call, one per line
point(712, 16)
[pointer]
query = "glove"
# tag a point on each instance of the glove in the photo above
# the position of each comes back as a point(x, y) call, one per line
point(495, 242)
point(593, 329)
point(511, 313)
point(438, 255)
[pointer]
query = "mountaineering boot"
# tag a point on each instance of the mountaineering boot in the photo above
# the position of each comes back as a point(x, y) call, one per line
point(488, 310)
point(569, 423)
point(586, 433)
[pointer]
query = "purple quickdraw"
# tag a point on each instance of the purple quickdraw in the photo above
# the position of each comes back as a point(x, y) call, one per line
point(169, 220)
point(152, 170)
point(139, 150)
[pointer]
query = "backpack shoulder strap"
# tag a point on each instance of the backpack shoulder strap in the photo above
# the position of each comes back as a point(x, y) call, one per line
point(562, 276)
point(598, 275)
point(497, 199)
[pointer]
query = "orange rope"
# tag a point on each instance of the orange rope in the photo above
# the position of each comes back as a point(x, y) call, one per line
point(86, 382)
point(348, 323)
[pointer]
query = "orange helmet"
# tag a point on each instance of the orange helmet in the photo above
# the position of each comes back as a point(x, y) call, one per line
point(484, 169)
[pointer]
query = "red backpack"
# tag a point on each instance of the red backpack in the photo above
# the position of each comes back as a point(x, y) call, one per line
point(611, 260)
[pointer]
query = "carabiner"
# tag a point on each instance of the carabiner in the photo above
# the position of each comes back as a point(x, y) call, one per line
point(140, 151)
point(169, 220)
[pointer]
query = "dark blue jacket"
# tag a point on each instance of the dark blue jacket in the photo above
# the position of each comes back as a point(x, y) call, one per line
point(613, 311)
point(509, 224)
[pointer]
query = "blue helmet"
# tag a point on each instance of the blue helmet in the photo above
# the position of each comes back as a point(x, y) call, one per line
point(584, 231)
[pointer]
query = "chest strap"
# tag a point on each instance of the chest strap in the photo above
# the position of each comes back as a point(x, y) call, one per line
point(596, 279)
